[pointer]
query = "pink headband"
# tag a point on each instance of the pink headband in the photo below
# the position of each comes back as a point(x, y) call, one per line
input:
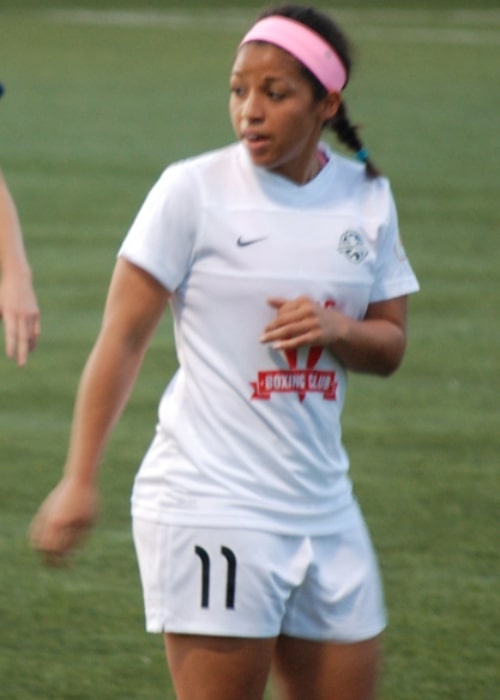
point(305, 45)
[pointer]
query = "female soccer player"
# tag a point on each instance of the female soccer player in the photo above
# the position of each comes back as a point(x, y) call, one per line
point(283, 267)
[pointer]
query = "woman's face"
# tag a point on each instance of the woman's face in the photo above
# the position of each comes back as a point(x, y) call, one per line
point(274, 113)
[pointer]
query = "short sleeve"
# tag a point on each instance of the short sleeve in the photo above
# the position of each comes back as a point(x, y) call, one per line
point(394, 275)
point(161, 237)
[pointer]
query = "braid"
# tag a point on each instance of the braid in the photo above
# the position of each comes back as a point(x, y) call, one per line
point(348, 134)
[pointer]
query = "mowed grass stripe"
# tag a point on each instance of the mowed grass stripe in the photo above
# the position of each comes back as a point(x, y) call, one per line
point(400, 23)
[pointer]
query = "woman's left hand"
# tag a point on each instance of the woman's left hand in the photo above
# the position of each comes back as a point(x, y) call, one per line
point(374, 344)
point(302, 321)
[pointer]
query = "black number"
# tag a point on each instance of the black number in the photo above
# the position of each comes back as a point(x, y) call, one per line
point(230, 557)
point(231, 576)
point(205, 575)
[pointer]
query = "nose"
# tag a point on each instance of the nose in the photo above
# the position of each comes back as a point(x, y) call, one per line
point(252, 107)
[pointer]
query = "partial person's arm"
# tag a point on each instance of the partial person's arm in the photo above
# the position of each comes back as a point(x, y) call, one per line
point(133, 309)
point(18, 303)
point(374, 345)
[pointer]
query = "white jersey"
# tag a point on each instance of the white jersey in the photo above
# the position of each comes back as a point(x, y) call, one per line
point(249, 436)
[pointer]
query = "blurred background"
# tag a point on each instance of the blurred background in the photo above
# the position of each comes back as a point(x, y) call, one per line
point(101, 96)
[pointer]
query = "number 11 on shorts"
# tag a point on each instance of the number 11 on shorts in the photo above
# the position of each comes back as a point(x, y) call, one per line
point(231, 563)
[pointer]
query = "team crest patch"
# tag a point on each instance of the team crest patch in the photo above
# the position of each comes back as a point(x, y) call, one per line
point(353, 246)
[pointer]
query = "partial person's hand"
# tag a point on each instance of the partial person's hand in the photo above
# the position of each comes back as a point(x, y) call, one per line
point(302, 321)
point(19, 310)
point(63, 520)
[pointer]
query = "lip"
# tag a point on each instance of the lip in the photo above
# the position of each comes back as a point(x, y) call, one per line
point(255, 141)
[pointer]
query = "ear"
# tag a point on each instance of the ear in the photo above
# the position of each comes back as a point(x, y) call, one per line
point(331, 104)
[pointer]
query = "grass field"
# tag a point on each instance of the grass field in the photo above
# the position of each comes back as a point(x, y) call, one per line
point(96, 105)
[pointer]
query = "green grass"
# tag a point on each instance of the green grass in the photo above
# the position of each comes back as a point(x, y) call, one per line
point(91, 115)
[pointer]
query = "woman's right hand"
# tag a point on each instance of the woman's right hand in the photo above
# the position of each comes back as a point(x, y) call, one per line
point(64, 518)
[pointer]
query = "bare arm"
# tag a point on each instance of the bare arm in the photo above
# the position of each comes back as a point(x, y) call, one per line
point(374, 345)
point(133, 309)
point(18, 303)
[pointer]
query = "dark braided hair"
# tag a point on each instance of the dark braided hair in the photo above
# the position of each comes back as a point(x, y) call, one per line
point(340, 124)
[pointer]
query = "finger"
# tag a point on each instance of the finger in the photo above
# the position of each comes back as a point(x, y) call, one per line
point(36, 330)
point(44, 533)
point(42, 537)
point(299, 332)
point(277, 302)
point(295, 341)
point(55, 544)
point(10, 335)
point(22, 341)
point(287, 317)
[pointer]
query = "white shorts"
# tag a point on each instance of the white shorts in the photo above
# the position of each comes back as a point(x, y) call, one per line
point(247, 583)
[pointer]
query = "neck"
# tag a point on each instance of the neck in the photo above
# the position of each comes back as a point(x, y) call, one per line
point(319, 161)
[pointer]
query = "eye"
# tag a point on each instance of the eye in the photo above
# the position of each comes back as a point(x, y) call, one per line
point(275, 95)
point(237, 90)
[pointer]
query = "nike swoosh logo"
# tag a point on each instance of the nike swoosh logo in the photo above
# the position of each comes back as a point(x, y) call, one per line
point(250, 241)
